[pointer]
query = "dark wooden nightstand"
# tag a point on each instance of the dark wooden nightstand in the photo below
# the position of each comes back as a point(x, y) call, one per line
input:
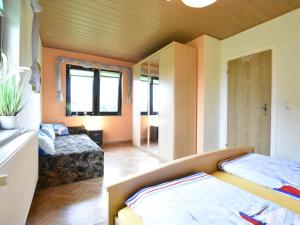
point(96, 136)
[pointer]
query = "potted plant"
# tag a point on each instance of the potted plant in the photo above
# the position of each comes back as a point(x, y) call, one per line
point(11, 102)
point(68, 109)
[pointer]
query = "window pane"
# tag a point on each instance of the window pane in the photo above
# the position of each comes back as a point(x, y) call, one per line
point(81, 90)
point(155, 81)
point(144, 91)
point(78, 72)
point(155, 96)
point(109, 91)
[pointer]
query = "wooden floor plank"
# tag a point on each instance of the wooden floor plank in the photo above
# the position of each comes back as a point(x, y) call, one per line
point(85, 202)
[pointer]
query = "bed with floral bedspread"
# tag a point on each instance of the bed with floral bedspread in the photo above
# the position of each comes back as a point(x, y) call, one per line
point(76, 158)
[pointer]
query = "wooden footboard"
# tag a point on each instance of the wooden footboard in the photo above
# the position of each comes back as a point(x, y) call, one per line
point(206, 162)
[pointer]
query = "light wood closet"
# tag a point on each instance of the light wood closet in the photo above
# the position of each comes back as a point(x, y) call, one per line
point(176, 65)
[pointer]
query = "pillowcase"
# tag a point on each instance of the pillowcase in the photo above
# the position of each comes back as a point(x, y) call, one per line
point(46, 145)
point(42, 152)
point(61, 129)
point(49, 130)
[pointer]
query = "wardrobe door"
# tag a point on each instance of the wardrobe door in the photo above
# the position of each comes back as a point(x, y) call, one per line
point(136, 126)
point(185, 100)
point(144, 98)
point(154, 103)
point(166, 109)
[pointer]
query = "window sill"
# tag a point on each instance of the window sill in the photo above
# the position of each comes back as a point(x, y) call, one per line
point(8, 135)
point(90, 114)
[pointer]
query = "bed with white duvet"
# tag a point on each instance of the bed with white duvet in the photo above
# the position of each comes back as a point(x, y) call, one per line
point(280, 175)
point(203, 199)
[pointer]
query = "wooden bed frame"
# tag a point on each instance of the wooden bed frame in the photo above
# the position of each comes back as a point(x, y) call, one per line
point(206, 162)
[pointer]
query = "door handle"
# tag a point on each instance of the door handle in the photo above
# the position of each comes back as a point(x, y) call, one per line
point(3, 180)
point(265, 108)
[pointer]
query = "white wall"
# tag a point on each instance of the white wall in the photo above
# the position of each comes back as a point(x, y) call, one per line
point(11, 30)
point(282, 34)
point(17, 45)
point(212, 84)
point(30, 117)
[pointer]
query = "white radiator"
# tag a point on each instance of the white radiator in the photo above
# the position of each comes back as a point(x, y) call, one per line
point(18, 178)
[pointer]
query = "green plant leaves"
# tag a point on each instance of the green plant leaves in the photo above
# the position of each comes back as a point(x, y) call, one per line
point(10, 95)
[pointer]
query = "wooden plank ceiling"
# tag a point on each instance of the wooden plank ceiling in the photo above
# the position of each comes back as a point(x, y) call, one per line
point(133, 29)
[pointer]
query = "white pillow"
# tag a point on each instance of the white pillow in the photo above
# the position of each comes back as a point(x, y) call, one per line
point(49, 130)
point(46, 145)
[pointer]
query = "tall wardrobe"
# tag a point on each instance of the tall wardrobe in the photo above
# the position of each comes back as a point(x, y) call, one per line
point(165, 102)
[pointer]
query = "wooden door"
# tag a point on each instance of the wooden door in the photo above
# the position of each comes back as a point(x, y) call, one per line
point(249, 102)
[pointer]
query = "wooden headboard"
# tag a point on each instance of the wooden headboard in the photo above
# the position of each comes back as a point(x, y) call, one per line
point(206, 162)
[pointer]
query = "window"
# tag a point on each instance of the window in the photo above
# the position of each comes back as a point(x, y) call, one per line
point(93, 91)
point(81, 90)
point(110, 92)
point(151, 93)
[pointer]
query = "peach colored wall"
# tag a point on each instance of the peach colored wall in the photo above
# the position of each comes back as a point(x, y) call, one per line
point(115, 128)
point(199, 44)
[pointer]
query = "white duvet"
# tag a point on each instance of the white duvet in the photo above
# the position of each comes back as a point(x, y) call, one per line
point(203, 199)
point(277, 174)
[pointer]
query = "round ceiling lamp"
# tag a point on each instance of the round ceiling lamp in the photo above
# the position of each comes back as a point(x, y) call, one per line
point(198, 3)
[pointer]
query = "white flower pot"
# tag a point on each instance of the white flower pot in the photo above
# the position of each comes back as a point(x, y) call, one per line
point(8, 122)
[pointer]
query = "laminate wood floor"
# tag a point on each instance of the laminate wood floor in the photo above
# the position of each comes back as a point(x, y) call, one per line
point(85, 202)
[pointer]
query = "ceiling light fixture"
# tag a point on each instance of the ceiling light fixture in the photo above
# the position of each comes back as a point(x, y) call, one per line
point(198, 3)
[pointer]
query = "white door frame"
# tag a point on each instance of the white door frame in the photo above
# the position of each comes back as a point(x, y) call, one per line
point(224, 96)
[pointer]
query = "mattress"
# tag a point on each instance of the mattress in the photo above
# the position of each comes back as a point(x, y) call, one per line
point(76, 158)
point(74, 144)
point(128, 217)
